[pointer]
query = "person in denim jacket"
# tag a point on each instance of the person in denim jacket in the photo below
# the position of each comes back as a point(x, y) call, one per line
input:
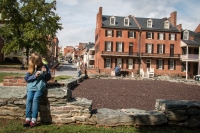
point(36, 71)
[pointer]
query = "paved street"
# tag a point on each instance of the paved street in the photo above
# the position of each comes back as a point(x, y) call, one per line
point(68, 69)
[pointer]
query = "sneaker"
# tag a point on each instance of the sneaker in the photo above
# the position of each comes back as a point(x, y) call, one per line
point(26, 124)
point(32, 124)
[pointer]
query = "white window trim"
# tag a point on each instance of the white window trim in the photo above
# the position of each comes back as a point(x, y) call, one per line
point(161, 36)
point(130, 63)
point(172, 36)
point(160, 61)
point(107, 47)
point(132, 34)
point(118, 46)
point(172, 65)
point(111, 20)
point(186, 37)
point(109, 35)
point(166, 24)
point(162, 46)
point(149, 23)
point(150, 35)
point(126, 18)
point(149, 46)
point(109, 61)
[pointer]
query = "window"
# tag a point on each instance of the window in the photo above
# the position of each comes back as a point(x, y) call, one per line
point(149, 48)
point(112, 20)
point(166, 24)
point(108, 63)
point(108, 46)
point(119, 62)
point(160, 64)
point(126, 21)
point(149, 23)
point(130, 63)
point(161, 36)
point(119, 33)
point(160, 48)
point(109, 33)
point(149, 35)
point(131, 34)
point(183, 67)
point(185, 35)
point(119, 46)
point(171, 64)
point(172, 36)
point(184, 51)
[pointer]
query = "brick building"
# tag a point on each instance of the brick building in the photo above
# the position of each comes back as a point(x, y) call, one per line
point(68, 49)
point(138, 44)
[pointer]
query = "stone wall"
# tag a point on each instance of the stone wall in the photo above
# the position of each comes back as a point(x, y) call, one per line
point(58, 106)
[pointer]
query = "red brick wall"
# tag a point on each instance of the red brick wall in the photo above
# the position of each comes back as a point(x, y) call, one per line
point(14, 81)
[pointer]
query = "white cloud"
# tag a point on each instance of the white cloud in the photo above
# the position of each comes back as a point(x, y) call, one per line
point(79, 16)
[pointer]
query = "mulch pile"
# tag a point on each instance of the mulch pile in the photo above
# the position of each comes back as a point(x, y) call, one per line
point(124, 94)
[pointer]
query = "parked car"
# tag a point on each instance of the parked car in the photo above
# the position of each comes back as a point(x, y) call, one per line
point(69, 61)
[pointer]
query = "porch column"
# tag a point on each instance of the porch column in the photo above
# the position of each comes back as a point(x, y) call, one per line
point(186, 70)
point(199, 63)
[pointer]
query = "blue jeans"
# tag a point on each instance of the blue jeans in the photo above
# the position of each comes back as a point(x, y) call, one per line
point(32, 104)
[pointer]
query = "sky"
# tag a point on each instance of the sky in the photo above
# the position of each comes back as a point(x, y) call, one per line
point(78, 17)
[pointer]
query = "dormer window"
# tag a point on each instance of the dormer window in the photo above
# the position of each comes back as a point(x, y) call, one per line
point(185, 35)
point(166, 24)
point(149, 23)
point(126, 21)
point(112, 20)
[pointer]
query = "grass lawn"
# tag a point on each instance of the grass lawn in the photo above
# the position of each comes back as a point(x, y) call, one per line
point(9, 74)
point(15, 126)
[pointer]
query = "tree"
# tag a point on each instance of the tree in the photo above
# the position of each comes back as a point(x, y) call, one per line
point(28, 24)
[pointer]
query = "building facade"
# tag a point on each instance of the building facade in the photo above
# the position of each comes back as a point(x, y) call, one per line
point(139, 44)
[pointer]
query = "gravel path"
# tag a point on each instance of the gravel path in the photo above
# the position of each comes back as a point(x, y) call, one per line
point(118, 94)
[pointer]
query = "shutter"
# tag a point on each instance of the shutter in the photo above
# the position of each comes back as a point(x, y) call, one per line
point(182, 67)
point(122, 63)
point(158, 35)
point(128, 34)
point(104, 62)
point(163, 65)
point(152, 35)
point(152, 48)
point(122, 46)
point(116, 62)
point(116, 47)
point(174, 65)
point(157, 48)
point(111, 46)
point(127, 63)
point(146, 35)
point(163, 48)
point(163, 36)
point(146, 47)
point(169, 36)
point(106, 33)
point(157, 64)
point(175, 37)
point(105, 47)
point(168, 64)
point(112, 33)
point(133, 63)
point(111, 63)
point(134, 34)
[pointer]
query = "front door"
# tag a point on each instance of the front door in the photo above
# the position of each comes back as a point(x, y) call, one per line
point(195, 69)
point(130, 48)
point(171, 50)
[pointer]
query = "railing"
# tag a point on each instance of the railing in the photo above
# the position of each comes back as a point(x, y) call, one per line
point(91, 57)
point(160, 55)
point(119, 53)
point(190, 57)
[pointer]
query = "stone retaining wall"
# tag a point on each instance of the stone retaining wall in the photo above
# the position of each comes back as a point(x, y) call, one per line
point(58, 106)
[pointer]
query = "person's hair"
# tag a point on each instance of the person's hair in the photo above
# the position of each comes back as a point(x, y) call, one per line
point(35, 63)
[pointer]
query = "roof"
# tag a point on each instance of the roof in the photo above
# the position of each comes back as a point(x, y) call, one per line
point(158, 24)
point(196, 41)
point(119, 22)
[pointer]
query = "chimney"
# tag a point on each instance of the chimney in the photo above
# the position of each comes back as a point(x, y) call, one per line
point(179, 27)
point(197, 30)
point(173, 17)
